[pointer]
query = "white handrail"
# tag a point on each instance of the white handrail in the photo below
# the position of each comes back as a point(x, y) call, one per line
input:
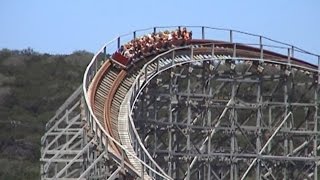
point(96, 120)
point(94, 60)
point(142, 86)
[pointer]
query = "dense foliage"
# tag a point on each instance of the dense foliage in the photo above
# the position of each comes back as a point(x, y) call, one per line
point(32, 86)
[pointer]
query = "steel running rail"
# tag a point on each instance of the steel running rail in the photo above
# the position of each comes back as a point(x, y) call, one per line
point(92, 117)
point(114, 44)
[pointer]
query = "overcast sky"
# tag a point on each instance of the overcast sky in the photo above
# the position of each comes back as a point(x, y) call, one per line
point(63, 26)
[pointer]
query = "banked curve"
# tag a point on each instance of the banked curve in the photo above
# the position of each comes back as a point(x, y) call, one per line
point(201, 47)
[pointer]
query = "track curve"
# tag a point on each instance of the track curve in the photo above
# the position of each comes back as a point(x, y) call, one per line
point(110, 87)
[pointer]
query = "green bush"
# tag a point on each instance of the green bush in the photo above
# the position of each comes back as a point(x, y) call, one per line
point(35, 86)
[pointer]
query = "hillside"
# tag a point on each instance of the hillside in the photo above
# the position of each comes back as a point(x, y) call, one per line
point(32, 86)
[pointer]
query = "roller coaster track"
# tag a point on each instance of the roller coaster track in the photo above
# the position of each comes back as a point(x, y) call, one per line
point(93, 135)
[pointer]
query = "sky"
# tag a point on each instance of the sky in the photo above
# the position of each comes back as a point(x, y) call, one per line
point(64, 26)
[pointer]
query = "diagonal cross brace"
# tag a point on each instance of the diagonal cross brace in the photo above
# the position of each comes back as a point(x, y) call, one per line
point(265, 146)
point(214, 130)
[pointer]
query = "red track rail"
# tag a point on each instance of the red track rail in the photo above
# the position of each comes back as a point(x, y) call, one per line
point(107, 107)
point(227, 48)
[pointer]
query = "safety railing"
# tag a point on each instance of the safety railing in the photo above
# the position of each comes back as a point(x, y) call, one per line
point(199, 32)
point(226, 35)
